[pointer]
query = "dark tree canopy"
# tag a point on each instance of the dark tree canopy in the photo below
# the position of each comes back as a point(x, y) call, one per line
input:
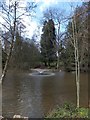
point(48, 42)
point(25, 53)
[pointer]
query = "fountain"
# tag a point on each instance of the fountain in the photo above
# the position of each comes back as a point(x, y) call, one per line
point(41, 72)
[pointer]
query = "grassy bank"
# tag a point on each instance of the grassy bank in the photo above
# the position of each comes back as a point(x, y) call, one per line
point(68, 111)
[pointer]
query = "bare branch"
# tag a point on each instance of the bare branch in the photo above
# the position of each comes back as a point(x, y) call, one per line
point(4, 26)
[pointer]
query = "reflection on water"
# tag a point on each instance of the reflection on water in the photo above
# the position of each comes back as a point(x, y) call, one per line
point(34, 96)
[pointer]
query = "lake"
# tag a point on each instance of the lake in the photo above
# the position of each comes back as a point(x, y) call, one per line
point(35, 96)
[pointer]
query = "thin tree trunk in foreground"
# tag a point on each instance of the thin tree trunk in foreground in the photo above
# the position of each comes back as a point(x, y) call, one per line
point(11, 48)
point(77, 66)
point(6, 64)
point(58, 57)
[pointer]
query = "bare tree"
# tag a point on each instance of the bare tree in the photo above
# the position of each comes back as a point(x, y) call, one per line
point(11, 15)
point(77, 66)
point(78, 32)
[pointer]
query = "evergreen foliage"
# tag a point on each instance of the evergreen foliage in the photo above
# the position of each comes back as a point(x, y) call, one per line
point(48, 43)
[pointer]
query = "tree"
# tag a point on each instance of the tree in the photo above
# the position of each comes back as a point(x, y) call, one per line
point(16, 57)
point(48, 42)
point(0, 58)
point(82, 32)
point(77, 64)
point(76, 42)
point(89, 38)
point(58, 17)
point(68, 57)
point(76, 37)
point(25, 54)
point(10, 17)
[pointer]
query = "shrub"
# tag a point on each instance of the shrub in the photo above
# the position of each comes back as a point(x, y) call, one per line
point(68, 110)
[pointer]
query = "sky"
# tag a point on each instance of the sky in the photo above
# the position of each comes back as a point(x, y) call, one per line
point(42, 5)
point(33, 25)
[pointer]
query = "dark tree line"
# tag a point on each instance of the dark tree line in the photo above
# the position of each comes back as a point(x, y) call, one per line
point(25, 54)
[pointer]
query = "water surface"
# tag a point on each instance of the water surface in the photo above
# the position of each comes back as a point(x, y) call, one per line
point(35, 96)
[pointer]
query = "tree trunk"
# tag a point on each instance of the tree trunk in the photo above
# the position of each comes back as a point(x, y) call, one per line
point(0, 76)
point(49, 63)
point(58, 61)
point(11, 47)
point(6, 64)
point(0, 58)
point(77, 66)
point(58, 43)
point(45, 64)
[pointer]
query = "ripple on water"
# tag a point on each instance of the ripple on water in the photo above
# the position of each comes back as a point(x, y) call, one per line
point(43, 74)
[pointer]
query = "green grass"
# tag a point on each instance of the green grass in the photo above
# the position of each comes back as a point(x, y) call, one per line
point(68, 111)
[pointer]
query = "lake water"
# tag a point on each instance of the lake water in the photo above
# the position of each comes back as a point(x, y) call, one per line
point(35, 96)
